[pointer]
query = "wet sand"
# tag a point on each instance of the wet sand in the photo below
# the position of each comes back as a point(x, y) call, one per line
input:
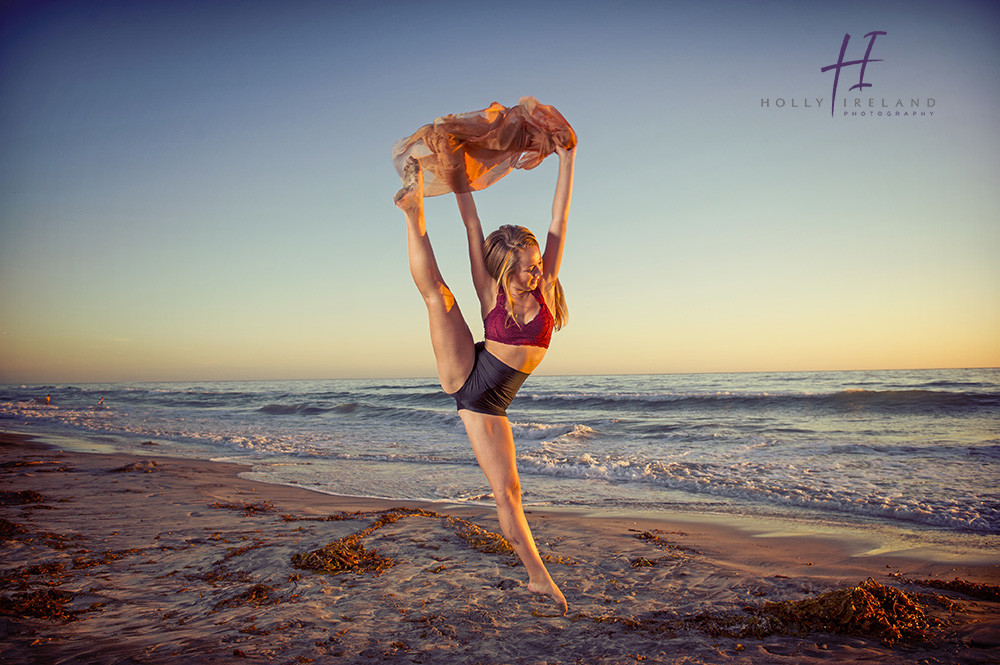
point(144, 559)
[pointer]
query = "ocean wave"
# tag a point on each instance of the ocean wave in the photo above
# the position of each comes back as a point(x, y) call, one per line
point(393, 386)
point(402, 458)
point(271, 427)
point(191, 399)
point(914, 399)
point(844, 400)
point(658, 429)
point(579, 433)
point(290, 409)
point(541, 431)
point(771, 484)
point(361, 411)
point(37, 409)
point(989, 450)
point(942, 383)
point(307, 409)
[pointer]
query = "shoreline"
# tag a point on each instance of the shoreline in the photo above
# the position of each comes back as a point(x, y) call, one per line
point(896, 539)
point(167, 554)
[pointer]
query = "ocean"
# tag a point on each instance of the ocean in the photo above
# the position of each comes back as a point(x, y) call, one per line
point(915, 450)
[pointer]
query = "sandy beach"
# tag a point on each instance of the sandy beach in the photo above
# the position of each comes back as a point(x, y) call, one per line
point(145, 559)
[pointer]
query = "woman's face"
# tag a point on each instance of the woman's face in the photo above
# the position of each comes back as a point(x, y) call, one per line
point(527, 272)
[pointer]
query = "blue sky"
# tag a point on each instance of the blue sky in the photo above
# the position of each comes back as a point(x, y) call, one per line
point(202, 190)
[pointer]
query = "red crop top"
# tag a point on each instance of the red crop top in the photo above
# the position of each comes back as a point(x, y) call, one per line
point(536, 332)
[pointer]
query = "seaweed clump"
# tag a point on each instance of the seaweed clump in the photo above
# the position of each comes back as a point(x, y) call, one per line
point(971, 589)
point(20, 498)
point(340, 556)
point(247, 508)
point(258, 594)
point(104, 558)
point(42, 604)
point(10, 529)
point(144, 466)
point(347, 553)
point(868, 609)
point(480, 539)
point(654, 538)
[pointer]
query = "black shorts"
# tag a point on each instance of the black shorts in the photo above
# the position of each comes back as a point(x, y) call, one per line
point(491, 385)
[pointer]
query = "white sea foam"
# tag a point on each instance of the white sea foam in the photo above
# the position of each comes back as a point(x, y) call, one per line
point(782, 486)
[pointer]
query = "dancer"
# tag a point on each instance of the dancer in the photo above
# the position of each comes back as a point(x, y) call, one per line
point(521, 303)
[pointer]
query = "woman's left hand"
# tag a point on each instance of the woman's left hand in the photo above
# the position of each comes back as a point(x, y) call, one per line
point(564, 153)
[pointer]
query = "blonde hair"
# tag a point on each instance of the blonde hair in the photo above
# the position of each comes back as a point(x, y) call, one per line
point(501, 253)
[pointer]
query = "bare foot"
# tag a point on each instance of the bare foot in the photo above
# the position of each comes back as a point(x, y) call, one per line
point(411, 196)
point(549, 588)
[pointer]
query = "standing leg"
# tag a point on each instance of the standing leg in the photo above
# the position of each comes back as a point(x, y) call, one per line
point(454, 346)
point(493, 443)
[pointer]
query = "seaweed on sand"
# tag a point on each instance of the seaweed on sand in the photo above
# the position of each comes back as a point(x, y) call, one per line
point(41, 604)
point(21, 578)
point(143, 466)
point(258, 594)
point(346, 554)
point(480, 539)
point(246, 507)
point(104, 558)
point(869, 609)
point(654, 538)
point(971, 589)
point(9, 529)
point(8, 467)
point(20, 498)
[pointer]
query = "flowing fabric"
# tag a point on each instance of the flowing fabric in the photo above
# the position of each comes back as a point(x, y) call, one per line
point(470, 151)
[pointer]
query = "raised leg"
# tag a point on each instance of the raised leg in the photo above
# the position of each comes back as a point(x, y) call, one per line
point(493, 443)
point(451, 339)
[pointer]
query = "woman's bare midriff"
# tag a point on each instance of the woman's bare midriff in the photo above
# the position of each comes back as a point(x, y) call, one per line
point(521, 358)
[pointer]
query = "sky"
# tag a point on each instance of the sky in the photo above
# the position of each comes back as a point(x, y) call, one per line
point(202, 190)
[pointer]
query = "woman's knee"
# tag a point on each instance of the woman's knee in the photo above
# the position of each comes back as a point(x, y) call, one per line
point(437, 296)
point(509, 493)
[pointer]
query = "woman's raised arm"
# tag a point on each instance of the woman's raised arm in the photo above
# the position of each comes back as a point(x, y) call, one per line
point(556, 239)
point(481, 279)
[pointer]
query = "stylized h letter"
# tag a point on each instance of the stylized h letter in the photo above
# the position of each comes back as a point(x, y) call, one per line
point(841, 64)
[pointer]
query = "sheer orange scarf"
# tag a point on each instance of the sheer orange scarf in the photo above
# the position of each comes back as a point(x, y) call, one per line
point(470, 151)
